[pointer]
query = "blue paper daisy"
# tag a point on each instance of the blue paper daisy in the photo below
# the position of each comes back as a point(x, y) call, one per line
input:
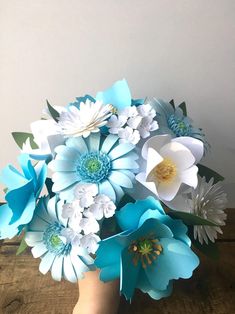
point(96, 159)
point(149, 254)
point(173, 121)
point(58, 255)
point(23, 190)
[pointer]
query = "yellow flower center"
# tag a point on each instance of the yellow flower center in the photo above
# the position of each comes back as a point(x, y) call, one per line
point(166, 171)
point(145, 250)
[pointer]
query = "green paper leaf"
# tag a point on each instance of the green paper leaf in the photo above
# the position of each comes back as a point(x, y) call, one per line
point(23, 246)
point(208, 173)
point(172, 103)
point(54, 113)
point(183, 107)
point(190, 219)
point(210, 250)
point(49, 185)
point(21, 137)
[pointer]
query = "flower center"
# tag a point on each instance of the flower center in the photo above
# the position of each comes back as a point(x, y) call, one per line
point(179, 126)
point(94, 167)
point(165, 171)
point(53, 242)
point(145, 250)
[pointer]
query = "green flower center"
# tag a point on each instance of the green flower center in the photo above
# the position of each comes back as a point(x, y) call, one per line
point(93, 165)
point(55, 241)
point(145, 250)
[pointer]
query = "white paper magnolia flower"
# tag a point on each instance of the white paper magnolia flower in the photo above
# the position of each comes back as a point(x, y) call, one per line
point(208, 201)
point(168, 163)
point(90, 117)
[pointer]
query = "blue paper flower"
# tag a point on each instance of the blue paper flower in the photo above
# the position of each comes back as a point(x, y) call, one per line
point(97, 160)
point(172, 121)
point(149, 254)
point(23, 190)
point(118, 95)
point(50, 238)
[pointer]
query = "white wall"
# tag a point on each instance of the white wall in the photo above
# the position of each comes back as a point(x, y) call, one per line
point(59, 49)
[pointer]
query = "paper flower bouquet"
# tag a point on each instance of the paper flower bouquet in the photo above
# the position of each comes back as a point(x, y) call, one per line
point(114, 183)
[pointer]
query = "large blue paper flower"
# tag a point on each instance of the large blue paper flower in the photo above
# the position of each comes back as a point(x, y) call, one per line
point(49, 236)
point(23, 190)
point(173, 121)
point(149, 254)
point(97, 160)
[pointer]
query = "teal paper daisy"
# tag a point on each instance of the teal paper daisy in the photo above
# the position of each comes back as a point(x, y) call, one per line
point(97, 159)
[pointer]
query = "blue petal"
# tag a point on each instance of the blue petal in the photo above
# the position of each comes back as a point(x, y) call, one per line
point(121, 150)
point(62, 165)
point(118, 191)
point(81, 99)
point(121, 179)
point(129, 274)
point(12, 178)
point(124, 163)
point(176, 261)
point(19, 198)
point(94, 142)
point(46, 262)
point(63, 180)
point(78, 143)
point(109, 142)
point(66, 153)
point(128, 216)
point(145, 286)
point(106, 188)
point(5, 217)
point(118, 95)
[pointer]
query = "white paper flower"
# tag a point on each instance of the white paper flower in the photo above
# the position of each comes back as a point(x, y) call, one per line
point(89, 225)
point(169, 163)
point(102, 207)
point(90, 117)
point(128, 135)
point(146, 110)
point(85, 193)
point(134, 122)
point(129, 112)
point(146, 126)
point(90, 242)
point(208, 201)
point(68, 235)
point(115, 123)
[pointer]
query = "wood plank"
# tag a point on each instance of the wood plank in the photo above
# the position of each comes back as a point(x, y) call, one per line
point(23, 290)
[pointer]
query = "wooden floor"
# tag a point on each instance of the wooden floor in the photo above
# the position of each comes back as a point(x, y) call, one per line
point(24, 290)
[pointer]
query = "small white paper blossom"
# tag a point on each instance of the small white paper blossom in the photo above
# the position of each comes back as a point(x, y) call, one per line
point(89, 225)
point(146, 110)
point(102, 207)
point(133, 123)
point(129, 112)
point(85, 193)
point(115, 123)
point(90, 117)
point(146, 126)
point(128, 135)
point(90, 242)
point(68, 235)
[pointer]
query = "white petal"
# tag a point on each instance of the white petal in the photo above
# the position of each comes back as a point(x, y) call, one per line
point(189, 176)
point(46, 262)
point(56, 269)
point(68, 271)
point(168, 191)
point(193, 144)
point(155, 142)
point(39, 250)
